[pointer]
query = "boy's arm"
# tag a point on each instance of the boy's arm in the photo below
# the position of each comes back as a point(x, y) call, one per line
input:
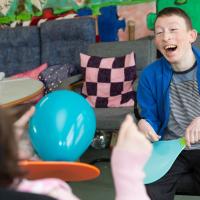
point(147, 101)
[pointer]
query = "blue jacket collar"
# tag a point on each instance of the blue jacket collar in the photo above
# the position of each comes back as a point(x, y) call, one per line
point(168, 68)
point(197, 55)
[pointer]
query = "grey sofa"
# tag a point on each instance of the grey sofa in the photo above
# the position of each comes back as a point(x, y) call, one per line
point(54, 42)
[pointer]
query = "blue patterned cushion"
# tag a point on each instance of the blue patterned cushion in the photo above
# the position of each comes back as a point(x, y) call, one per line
point(54, 75)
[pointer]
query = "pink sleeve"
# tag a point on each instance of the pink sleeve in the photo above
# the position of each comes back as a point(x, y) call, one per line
point(51, 187)
point(128, 175)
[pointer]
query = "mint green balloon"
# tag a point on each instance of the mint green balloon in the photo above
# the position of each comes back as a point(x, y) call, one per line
point(163, 156)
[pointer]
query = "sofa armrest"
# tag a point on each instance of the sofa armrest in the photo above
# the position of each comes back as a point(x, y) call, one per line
point(70, 81)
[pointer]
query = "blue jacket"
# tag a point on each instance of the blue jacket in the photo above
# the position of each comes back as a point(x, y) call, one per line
point(153, 92)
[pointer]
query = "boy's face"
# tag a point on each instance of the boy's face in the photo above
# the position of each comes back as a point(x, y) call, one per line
point(173, 39)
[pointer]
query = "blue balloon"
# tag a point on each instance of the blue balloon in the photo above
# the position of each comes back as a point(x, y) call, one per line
point(62, 126)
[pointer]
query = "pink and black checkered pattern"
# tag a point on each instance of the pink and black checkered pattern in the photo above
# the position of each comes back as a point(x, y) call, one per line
point(109, 81)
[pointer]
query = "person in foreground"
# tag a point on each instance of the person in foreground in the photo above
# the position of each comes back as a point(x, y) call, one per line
point(10, 174)
point(169, 100)
point(128, 158)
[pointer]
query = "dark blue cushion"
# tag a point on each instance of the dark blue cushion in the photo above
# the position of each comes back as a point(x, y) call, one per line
point(54, 75)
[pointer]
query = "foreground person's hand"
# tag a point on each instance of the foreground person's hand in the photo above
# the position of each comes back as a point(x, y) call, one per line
point(25, 149)
point(131, 139)
point(128, 158)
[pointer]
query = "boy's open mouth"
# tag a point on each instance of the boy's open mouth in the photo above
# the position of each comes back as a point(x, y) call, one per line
point(170, 48)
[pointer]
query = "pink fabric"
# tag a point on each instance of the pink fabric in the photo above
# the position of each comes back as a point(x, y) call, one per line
point(92, 74)
point(114, 101)
point(108, 82)
point(52, 187)
point(117, 75)
point(103, 89)
point(127, 170)
point(84, 60)
point(129, 60)
point(106, 63)
point(127, 86)
point(31, 73)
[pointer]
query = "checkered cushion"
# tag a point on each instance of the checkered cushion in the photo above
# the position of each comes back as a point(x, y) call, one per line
point(108, 81)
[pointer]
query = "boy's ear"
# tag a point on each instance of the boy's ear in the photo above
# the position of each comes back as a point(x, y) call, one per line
point(193, 35)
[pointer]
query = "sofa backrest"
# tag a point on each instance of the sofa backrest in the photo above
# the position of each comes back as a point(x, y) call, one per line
point(144, 49)
point(55, 42)
point(63, 40)
point(19, 49)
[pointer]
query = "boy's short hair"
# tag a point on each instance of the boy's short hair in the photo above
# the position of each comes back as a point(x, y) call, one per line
point(169, 11)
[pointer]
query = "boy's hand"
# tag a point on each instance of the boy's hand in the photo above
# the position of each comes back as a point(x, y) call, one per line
point(148, 131)
point(130, 139)
point(192, 134)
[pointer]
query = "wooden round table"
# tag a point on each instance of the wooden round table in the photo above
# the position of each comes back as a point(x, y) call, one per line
point(18, 91)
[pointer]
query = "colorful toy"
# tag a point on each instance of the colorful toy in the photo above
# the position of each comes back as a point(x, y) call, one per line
point(62, 126)
point(109, 24)
point(49, 15)
point(163, 156)
point(191, 7)
point(24, 10)
point(96, 5)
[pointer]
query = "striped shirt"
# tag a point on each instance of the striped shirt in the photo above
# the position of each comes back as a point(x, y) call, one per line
point(184, 103)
